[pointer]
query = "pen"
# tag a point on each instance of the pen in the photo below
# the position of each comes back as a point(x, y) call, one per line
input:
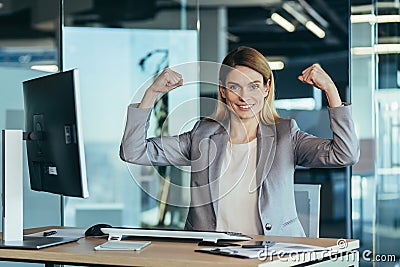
point(49, 233)
point(227, 251)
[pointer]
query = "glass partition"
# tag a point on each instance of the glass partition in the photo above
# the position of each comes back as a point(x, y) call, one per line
point(375, 86)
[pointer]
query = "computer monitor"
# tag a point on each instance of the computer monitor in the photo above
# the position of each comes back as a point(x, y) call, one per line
point(54, 139)
point(56, 156)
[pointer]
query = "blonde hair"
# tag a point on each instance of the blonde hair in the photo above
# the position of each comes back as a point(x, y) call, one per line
point(251, 58)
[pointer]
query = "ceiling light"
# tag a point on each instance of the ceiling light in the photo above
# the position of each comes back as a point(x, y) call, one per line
point(276, 65)
point(379, 49)
point(361, 51)
point(379, 6)
point(45, 68)
point(362, 18)
point(320, 33)
point(1, 5)
point(233, 38)
point(387, 48)
point(281, 21)
point(370, 18)
point(387, 18)
point(303, 19)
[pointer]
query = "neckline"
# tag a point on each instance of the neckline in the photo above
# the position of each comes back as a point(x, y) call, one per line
point(254, 141)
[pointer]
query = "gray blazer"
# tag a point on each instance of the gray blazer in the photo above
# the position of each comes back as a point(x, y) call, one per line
point(280, 148)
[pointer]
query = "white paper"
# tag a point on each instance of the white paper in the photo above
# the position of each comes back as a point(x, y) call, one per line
point(123, 245)
point(277, 249)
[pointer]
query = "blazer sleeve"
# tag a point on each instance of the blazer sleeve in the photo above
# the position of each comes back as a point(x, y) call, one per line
point(138, 149)
point(342, 150)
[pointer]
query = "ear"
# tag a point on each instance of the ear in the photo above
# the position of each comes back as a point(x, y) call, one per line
point(267, 87)
point(221, 90)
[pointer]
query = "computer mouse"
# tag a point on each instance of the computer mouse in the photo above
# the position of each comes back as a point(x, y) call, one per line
point(95, 230)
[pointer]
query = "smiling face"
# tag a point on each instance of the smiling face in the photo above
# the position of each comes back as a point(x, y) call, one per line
point(245, 92)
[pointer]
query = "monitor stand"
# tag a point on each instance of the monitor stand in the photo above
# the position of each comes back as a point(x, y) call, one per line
point(12, 204)
point(34, 242)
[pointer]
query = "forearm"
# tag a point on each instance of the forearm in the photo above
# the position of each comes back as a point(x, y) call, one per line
point(333, 97)
point(148, 99)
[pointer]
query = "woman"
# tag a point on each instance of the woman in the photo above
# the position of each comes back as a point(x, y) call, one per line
point(243, 160)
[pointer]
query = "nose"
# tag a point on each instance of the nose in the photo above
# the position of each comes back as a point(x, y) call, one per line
point(243, 93)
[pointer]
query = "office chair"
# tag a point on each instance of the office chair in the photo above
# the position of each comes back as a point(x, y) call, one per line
point(307, 197)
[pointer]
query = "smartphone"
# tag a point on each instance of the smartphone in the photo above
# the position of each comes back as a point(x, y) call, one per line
point(259, 244)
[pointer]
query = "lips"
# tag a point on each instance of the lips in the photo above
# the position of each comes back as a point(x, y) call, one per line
point(245, 107)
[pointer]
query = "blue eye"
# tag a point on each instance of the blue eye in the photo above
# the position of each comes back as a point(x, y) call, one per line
point(254, 86)
point(233, 87)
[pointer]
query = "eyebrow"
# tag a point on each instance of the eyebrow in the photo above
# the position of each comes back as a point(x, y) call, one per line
point(235, 83)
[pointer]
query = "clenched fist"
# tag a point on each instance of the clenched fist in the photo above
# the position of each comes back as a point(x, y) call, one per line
point(166, 81)
point(316, 76)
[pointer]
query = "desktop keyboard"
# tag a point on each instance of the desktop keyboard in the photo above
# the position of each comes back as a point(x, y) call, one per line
point(118, 233)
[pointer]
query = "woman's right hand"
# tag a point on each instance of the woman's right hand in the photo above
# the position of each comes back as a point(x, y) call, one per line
point(166, 81)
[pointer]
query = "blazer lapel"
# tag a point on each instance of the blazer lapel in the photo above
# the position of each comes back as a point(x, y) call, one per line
point(266, 148)
point(217, 145)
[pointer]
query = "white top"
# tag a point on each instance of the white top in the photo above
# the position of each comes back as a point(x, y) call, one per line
point(238, 194)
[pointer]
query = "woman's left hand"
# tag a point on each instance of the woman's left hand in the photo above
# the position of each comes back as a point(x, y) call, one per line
point(316, 76)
